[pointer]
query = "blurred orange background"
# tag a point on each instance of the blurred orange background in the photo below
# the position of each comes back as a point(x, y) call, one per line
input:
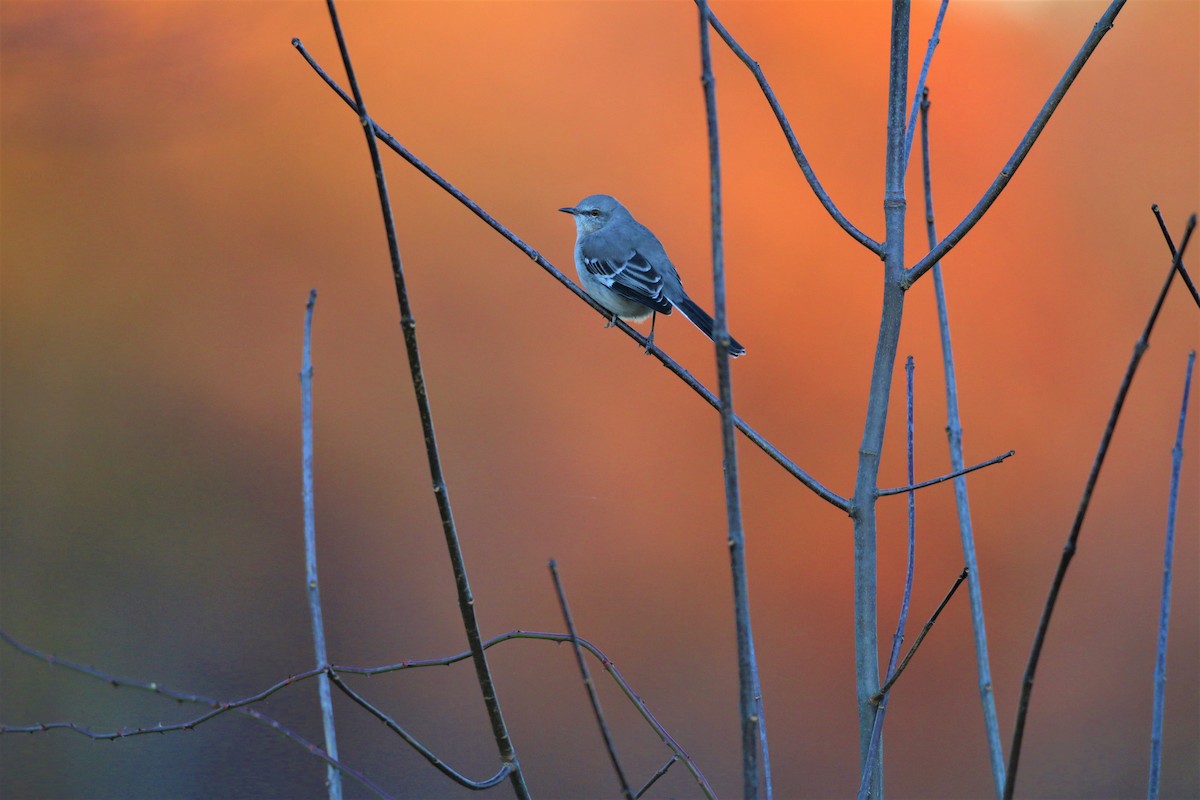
point(175, 179)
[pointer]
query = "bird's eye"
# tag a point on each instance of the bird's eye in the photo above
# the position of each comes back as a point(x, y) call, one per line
point(595, 212)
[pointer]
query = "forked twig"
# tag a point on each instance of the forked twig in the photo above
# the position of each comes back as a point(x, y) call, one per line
point(912, 651)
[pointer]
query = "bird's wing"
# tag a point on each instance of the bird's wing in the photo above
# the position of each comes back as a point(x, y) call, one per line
point(632, 277)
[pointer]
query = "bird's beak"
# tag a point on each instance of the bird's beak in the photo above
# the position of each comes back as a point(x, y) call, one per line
point(569, 210)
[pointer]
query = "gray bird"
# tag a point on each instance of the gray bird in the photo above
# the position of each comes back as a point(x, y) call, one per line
point(624, 267)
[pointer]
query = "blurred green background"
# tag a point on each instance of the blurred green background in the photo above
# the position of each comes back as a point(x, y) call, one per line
point(175, 179)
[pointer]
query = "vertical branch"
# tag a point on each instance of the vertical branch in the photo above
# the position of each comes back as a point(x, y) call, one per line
point(1160, 662)
point(897, 638)
point(332, 776)
point(866, 490)
point(466, 601)
point(749, 691)
point(1039, 637)
point(954, 433)
point(589, 684)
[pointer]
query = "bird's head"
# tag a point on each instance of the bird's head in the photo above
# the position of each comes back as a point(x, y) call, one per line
point(594, 212)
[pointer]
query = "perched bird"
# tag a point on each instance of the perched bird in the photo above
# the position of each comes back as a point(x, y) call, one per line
point(624, 267)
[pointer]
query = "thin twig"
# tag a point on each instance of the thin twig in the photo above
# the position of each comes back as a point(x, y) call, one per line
point(954, 435)
point(919, 93)
point(898, 637)
point(605, 662)
point(936, 253)
point(793, 142)
point(218, 707)
point(1183, 273)
point(316, 751)
point(753, 435)
point(1160, 660)
point(332, 776)
point(466, 601)
point(441, 766)
point(1068, 552)
point(749, 689)
point(887, 687)
point(958, 473)
point(588, 684)
point(654, 778)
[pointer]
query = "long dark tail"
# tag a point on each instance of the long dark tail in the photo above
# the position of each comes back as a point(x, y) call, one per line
point(704, 322)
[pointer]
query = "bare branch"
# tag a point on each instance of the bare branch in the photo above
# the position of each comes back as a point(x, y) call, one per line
point(608, 665)
point(749, 688)
point(948, 476)
point(312, 587)
point(920, 93)
point(1039, 638)
point(954, 436)
point(793, 143)
point(654, 778)
point(1164, 613)
point(588, 684)
point(920, 637)
point(864, 784)
point(672, 365)
point(1183, 273)
point(441, 766)
point(1103, 26)
point(466, 601)
point(218, 708)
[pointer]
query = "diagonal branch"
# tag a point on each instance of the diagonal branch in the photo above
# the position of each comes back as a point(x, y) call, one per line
point(793, 142)
point(754, 436)
point(441, 766)
point(1183, 273)
point(605, 662)
point(920, 93)
point(887, 687)
point(1103, 26)
point(466, 601)
point(588, 683)
point(1039, 639)
point(949, 476)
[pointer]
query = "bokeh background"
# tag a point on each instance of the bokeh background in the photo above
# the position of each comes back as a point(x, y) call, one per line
point(175, 179)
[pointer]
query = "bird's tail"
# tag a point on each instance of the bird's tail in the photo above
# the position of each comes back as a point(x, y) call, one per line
point(704, 322)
